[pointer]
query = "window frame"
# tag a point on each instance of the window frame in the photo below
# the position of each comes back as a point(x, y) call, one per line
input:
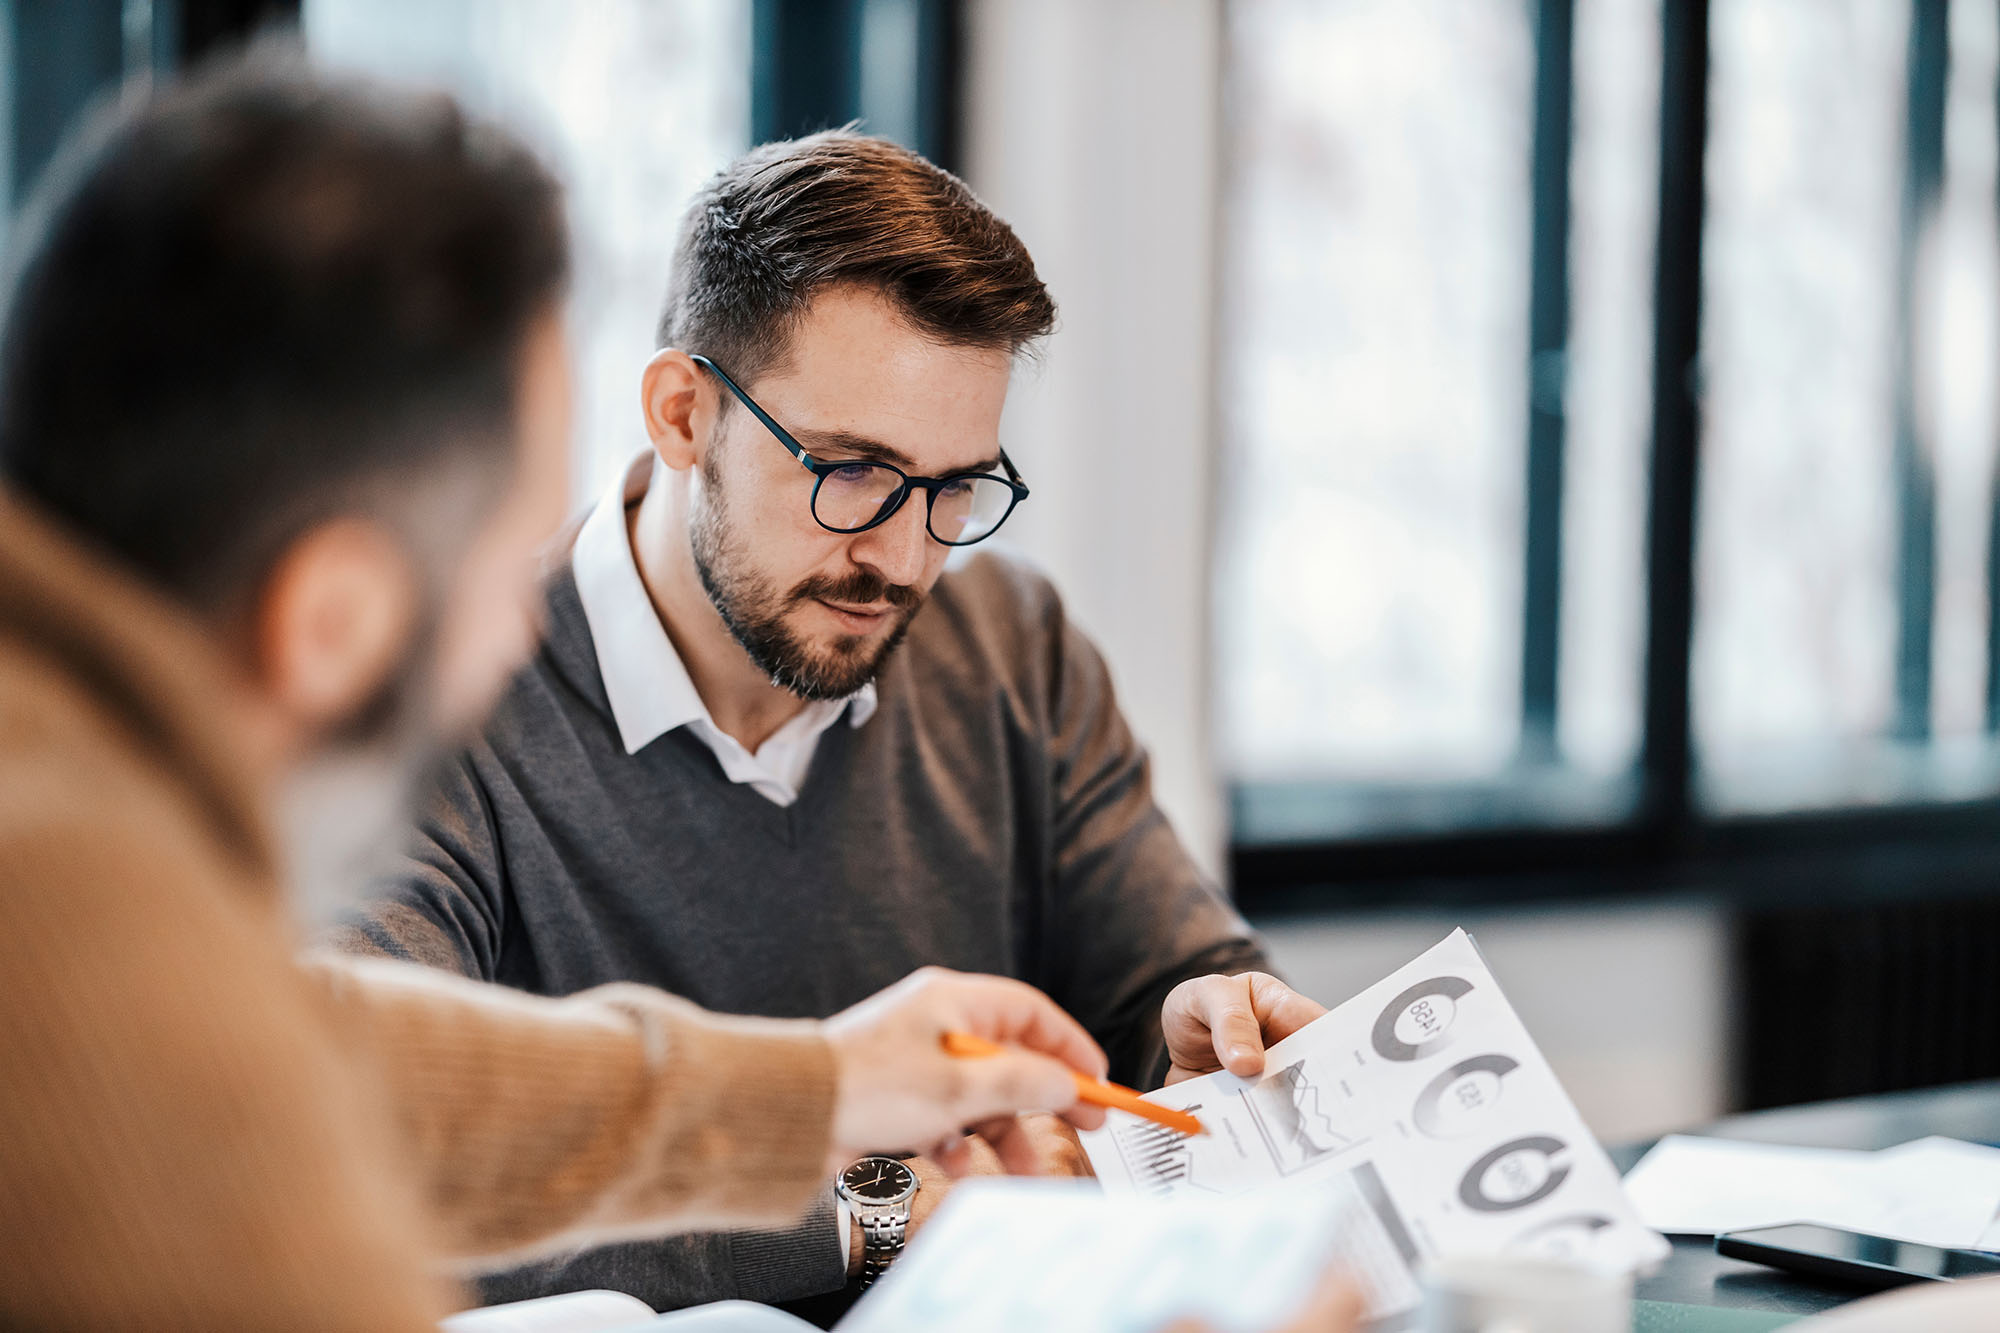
point(1665, 843)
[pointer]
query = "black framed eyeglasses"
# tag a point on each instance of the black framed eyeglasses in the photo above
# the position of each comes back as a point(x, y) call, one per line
point(854, 496)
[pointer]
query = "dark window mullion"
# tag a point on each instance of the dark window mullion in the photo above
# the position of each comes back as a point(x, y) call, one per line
point(1670, 527)
point(1916, 481)
point(1548, 339)
point(805, 67)
point(806, 70)
point(1993, 561)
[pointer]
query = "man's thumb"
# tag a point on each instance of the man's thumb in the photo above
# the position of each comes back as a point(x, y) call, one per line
point(1239, 1042)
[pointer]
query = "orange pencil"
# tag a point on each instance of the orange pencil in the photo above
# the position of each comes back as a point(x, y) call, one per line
point(1088, 1089)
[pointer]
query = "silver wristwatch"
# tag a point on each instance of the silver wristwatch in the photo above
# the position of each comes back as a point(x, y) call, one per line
point(878, 1191)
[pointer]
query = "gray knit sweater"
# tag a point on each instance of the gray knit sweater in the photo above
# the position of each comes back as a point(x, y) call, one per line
point(994, 815)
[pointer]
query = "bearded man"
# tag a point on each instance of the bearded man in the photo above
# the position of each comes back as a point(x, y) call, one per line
point(773, 754)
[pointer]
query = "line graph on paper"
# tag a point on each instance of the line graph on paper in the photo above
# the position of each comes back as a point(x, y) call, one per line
point(1297, 1119)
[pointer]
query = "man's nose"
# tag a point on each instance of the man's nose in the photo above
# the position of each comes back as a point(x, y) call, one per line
point(899, 548)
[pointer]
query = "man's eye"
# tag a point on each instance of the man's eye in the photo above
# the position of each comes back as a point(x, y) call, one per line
point(956, 489)
point(853, 474)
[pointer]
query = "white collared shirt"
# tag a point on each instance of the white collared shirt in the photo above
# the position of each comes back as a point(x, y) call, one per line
point(649, 687)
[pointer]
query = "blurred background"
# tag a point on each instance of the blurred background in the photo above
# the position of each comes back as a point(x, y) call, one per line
point(1529, 465)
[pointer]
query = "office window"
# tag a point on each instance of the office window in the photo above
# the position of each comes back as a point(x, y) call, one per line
point(1567, 524)
point(1848, 366)
point(636, 106)
point(1391, 654)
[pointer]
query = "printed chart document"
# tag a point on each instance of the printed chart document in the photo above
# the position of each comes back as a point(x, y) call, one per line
point(1423, 1101)
point(1006, 1256)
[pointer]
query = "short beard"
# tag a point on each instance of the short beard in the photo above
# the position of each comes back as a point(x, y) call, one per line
point(344, 815)
point(754, 611)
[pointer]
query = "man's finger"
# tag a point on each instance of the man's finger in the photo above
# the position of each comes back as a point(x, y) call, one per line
point(1085, 1116)
point(1013, 1145)
point(1014, 1013)
point(953, 1156)
point(1281, 1009)
point(1015, 1081)
point(1232, 1024)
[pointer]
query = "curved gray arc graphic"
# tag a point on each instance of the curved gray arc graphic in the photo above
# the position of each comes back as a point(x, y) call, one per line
point(1472, 1189)
point(1391, 1047)
point(1428, 1112)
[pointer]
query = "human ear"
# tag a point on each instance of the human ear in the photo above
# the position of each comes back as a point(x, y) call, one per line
point(677, 417)
point(333, 619)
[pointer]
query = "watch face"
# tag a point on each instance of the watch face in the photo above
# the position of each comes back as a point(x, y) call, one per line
point(879, 1180)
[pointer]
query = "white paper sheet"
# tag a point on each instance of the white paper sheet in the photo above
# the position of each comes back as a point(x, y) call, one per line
point(1064, 1257)
point(1426, 1099)
point(1934, 1191)
point(575, 1312)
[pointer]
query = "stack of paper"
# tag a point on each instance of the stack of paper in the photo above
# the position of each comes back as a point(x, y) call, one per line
point(1933, 1191)
point(1062, 1257)
point(1425, 1101)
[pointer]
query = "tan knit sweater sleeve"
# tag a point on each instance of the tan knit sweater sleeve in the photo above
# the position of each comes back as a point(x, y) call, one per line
point(619, 1112)
point(182, 1142)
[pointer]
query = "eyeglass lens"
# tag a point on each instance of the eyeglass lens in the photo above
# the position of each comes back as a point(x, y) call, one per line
point(964, 510)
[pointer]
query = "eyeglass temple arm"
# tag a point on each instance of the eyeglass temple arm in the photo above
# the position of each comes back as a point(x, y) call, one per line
point(1013, 473)
point(796, 449)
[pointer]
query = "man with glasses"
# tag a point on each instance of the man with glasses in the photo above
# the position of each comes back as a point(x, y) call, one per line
point(774, 754)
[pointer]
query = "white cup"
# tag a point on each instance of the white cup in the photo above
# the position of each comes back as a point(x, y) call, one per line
point(1523, 1296)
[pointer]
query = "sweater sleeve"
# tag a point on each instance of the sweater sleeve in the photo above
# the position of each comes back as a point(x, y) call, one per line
point(1133, 916)
point(445, 907)
point(444, 904)
point(186, 1146)
point(615, 1113)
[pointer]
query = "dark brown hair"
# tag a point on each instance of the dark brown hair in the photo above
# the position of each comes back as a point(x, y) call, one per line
point(791, 219)
point(258, 294)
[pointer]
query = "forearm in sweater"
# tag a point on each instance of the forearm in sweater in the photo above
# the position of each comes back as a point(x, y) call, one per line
point(615, 1113)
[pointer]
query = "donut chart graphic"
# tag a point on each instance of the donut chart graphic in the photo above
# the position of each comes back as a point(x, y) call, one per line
point(1416, 1010)
point(1453, 1101)
point(1513, 1166)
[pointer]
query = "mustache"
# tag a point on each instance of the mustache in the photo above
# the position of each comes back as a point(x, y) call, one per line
point(860, 588)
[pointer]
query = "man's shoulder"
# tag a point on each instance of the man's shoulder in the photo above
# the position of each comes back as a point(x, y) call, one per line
point(993, 622)
point(79, 793)
point(995, 596)
point(558, 689)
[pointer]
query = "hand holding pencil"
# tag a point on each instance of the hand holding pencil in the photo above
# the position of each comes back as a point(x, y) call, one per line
point(898, 1090)
point(1095, 1092)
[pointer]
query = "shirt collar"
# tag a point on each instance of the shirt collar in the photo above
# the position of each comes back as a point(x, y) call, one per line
point(648, 685)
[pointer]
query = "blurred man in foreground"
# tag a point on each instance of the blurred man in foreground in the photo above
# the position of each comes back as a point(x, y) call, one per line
point(283, 417)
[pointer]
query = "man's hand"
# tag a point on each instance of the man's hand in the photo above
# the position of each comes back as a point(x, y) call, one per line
point(1050, 1138)
point(1217, 1022)
point(896, 1089)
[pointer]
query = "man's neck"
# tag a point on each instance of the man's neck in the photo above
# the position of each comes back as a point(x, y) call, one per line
point(740, 699)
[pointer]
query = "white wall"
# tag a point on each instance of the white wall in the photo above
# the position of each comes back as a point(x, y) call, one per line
point(1092, 129)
